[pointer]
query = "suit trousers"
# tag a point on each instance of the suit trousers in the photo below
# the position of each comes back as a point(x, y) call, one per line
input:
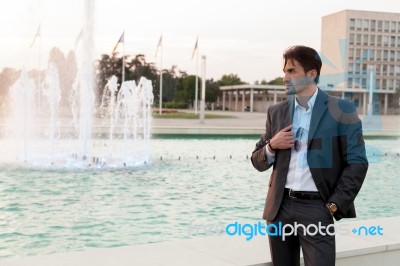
point(313, 231)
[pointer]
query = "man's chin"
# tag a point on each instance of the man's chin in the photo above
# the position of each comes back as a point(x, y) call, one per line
point(290, 90)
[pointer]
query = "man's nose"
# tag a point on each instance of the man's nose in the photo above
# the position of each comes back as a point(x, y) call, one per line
point(286, 78)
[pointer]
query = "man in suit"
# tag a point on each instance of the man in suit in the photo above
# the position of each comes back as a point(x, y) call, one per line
point(315, 145)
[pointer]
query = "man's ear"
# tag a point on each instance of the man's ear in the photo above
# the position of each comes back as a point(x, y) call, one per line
point(312, 73)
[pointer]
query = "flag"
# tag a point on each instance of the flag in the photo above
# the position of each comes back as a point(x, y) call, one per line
point(195, 47)
point(158, 45)
point(36, 35)
point(121, 40)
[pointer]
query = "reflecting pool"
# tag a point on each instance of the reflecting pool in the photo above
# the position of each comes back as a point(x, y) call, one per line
point(188, 188)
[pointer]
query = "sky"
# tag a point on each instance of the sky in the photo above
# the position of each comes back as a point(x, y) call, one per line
point(243, 37)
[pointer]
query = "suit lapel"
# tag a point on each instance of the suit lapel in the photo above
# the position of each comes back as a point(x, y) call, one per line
point(319, 109)
point(288, 115)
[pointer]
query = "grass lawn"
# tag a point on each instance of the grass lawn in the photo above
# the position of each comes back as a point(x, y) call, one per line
point(189, 115)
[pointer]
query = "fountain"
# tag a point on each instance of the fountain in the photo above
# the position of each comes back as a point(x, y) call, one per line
point(115, 134)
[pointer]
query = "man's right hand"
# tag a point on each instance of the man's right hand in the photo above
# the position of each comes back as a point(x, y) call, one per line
point(283, 139)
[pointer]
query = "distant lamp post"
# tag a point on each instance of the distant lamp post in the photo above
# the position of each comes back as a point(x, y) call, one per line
point(371, 70)
point(203, 89)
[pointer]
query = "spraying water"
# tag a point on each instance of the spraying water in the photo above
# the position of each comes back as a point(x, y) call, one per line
point(116, 134)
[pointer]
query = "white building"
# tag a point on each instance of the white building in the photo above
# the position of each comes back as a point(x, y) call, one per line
point(360, 49)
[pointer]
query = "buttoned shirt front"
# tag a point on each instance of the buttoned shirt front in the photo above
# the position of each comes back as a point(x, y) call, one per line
point(299, 177)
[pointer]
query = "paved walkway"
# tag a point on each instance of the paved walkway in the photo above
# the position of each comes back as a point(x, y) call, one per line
point(367, 246)
point(247, 123)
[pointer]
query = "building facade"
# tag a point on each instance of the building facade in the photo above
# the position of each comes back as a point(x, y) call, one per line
point(361, 56)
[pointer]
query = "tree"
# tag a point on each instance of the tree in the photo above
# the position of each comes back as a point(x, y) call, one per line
point(106, 67)
point(276, 81)
point(138, 67)
point(231, 79)
point(170, 81)
point(7, 78)
point(185, 89)
point(67, 70)
point(212, 91)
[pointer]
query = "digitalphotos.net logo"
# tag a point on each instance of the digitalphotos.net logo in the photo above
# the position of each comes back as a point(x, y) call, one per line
point(260, 229)
point(249, 231)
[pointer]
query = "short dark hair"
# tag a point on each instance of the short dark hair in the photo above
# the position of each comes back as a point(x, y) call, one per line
point(307, 57)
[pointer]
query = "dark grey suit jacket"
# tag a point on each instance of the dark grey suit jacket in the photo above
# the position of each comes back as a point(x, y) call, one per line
point(336, 153)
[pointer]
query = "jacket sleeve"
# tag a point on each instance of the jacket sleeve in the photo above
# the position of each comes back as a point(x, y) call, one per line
point(353, 152)
point(258, 157)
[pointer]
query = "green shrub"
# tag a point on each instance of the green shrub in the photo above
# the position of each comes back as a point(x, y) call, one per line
point(177, 105)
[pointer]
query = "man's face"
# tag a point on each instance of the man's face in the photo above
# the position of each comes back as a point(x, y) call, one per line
point(296, 79)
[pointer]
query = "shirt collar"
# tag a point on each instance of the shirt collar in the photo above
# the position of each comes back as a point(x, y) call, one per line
point(311, 101)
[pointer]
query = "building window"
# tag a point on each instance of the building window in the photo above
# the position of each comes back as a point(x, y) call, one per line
point(384, 87)
point(365, 39)
point(385, 55)
point(377, 84)
point(358, 39)
point(398, 41)
point(365, 54)
point(364, 83)
point(357, 68)
point(392, 56)
point(350, 68)
point(391, 70)
point(358, 24)
point(379, 40)
point(393, 41)
point(356, 83)
point(373, 25)
point(371, 54)
point(378, 69)
point(350, 82)
point(397, 70)
point(351, 39)
point(372, 39)
point(364, 68)
point(352, 23)
point(398, 56)
point(365, 24)
point(398, 26)
point(386, 26)
point(384, 69)
point(358, 54)
point(390, 84)
point(351, 53)
point(379, 25)
point(393, 26)
point(385, 40)
point(378, 55)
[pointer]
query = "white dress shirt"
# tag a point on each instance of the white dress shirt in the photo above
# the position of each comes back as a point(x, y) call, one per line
point(299, 176)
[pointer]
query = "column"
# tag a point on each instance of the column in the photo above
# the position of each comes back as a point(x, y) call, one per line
point(230, 101)
point(275, 97)
point(223, 101)
point(251, 99)
point(243, 99)
point(236, 100)
point(364, 103)
point(386, 104)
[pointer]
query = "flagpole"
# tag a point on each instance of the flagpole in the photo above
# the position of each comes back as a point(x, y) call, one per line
point(123, 59)
point(197, 78)
point(161, 73)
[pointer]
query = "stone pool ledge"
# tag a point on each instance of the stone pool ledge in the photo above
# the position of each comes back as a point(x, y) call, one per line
point(352, 250)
